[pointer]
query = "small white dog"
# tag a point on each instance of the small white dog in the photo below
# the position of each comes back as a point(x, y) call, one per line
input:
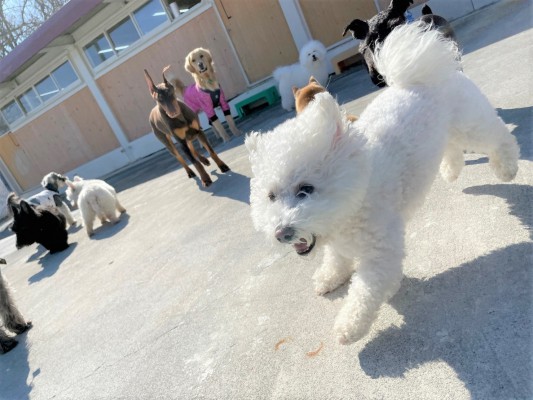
point(320, 180)
point(313, 62)
point(95, 198)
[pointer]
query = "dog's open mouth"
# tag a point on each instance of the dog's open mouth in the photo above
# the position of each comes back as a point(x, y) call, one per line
point(303, 247)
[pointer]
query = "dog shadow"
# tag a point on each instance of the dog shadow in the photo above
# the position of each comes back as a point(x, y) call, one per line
point(109, 229)
point(231, 185)
point(50, 263)
point(15, 370)
point(517, 197)
point(522, 119)
point(475, 317)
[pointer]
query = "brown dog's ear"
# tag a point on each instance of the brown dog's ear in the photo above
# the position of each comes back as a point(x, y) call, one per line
point(164, 77)
point(313, 80)
point(295, 90)
point(358, 28)
point(188, 65)
point(150, 83)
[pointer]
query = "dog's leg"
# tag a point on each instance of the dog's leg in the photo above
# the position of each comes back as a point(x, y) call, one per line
point(452, 162)
point(231, 124)
point(203, 140)
point(7, 343)
point(219, 130)
point(204, 177)
point(88, 215)
point(335, 270)
point(68, 215)
point(13, 319)
point(167, 141)
point(378, 277)
point(119, 206)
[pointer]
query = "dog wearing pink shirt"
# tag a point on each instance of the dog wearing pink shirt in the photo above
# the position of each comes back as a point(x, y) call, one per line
point(206, 94)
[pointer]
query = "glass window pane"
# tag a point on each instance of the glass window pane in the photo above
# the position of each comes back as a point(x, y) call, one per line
point(98, 50)
point(29, 100)
point(3, 126)
point(150, 16)
point(64, 75)
point(186, 5)
point(12, 112)
point(123, 34)
point(46, 88)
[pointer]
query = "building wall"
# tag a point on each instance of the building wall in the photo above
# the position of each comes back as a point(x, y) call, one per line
point(68, 135)
point(326, 19)
point(125, 89)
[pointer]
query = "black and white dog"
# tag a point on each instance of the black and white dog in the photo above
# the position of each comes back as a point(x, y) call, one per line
point(10, 315)
point(37, 224)
point(51, 197)
point(377, 28)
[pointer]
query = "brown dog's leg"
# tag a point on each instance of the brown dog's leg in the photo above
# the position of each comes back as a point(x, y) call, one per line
point(204, 177)
point(167, 141)
point(203, 140)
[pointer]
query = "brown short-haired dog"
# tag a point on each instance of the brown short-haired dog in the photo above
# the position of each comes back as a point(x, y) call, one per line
point(305, 95)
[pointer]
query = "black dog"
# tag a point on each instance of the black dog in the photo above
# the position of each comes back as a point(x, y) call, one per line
point(9, 313)
point(377, 28)
point(37, 224)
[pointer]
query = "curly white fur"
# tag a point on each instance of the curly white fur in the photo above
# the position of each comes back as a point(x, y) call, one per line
point(351, 188)
point(313, 62)
point(95, 198)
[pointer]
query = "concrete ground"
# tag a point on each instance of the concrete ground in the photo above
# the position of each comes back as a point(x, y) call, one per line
point(184, 300)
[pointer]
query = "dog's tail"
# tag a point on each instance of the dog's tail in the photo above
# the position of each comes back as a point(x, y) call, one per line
point(414, 54)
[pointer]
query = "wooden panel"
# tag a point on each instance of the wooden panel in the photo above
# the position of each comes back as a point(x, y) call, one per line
point(125, 89)
point(65, 137)
point(326, 19)
point(260, 35)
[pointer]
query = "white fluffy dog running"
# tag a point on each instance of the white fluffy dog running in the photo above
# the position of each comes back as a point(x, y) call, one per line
point(95, 198)
point(313, 62)
point(350, 188)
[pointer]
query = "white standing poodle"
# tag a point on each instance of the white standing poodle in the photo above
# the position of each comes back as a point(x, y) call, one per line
point(321, 181)
point(313, 62)
point(95, 198)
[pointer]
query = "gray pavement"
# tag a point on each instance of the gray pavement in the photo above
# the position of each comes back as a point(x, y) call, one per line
point(184, 300)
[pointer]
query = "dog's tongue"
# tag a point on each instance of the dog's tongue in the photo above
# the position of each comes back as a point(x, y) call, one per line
point(301, 247)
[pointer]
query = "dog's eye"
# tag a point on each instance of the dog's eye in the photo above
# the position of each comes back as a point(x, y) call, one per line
point(304, 191)
point(272, 196)
point(201, 56)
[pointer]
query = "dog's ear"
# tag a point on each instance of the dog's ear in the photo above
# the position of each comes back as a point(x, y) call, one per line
point(295, 90)
point(150, 83)
point(77, 178)
point(26, 208)
point(252, 141)
point(313, 80)
point(426, 10)
point(188, 65)
point(358, 28)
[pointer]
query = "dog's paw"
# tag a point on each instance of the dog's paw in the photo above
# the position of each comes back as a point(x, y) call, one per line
point(326, 282)
point(224, 168)
point(348, 332)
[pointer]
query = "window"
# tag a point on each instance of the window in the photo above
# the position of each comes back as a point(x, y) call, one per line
point(183, 5)
point(150, 16)
point(64, 75)
point(128, 31)
point(99, 50)
point(46, 88)
point(58, 80)
point(12, 112)
point(4, 127)
point(29, 100)
point(123, 34)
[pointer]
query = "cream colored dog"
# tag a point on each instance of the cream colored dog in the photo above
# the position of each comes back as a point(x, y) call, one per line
point(95, 198)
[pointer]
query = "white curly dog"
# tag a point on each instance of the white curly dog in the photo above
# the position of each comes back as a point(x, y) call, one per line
point(319, 180)
point(312, 62)
point(95, 198)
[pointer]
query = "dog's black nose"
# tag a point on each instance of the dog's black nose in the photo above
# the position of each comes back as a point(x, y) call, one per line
point(285, 235)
